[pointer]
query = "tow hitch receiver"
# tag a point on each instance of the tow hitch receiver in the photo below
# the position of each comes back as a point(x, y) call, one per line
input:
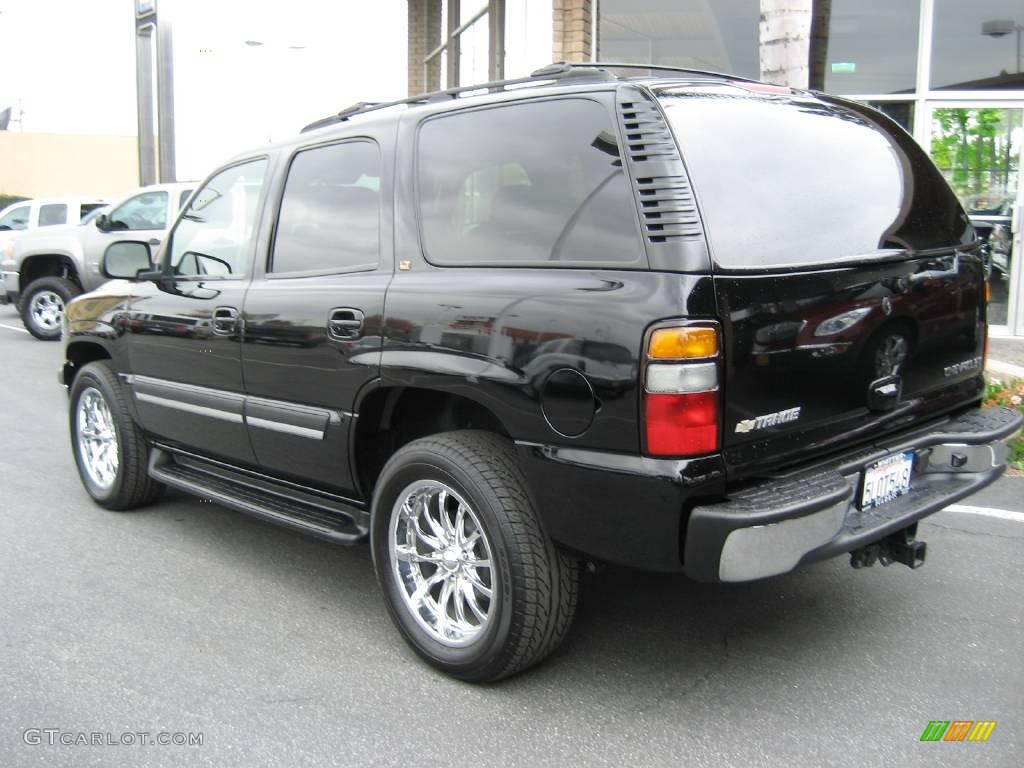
point(899, 547)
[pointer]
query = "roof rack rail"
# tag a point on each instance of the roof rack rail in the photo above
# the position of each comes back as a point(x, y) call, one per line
point(563, 66)
point(557, 72)
point(560, 70)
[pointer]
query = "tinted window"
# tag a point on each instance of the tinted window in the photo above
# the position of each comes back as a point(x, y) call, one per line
point(789, 181)
point(529, 183)
point(183, 198)
point(16, 218)
point(86, 208)
point(92, 214)
point(330, 211)
point(214, 236)
point(145, 211)
point(53, 214)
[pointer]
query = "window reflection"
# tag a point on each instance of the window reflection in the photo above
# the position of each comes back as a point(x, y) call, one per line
point(716, 35)
point(531, 183)
point(970, 52)
point(145, 211)
point(871, 46)
point(214, 236)
point(978, 152)
point(831, 182)
point(330, 210)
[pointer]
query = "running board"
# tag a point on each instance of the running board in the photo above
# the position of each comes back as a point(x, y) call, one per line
point(260, 497)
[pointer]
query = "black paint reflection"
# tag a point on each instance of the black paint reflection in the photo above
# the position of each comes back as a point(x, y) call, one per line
point(530, 345)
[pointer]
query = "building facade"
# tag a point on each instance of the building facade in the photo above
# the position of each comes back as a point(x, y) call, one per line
point(949, 71)
point(61, 165)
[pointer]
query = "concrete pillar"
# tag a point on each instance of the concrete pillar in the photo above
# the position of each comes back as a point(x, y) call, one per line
point(785, 41)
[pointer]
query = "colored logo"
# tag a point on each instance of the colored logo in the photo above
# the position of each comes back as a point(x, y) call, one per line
point(958, 730)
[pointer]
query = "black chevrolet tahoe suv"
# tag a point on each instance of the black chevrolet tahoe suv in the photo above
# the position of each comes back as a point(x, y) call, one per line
point(665, 319)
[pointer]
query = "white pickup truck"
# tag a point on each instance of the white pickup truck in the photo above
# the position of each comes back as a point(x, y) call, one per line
point(44, 270)
point(25, 216)
point(31, 214)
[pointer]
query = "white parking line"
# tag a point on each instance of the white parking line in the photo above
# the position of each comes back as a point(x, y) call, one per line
point(1002, 514)
point(13, 328)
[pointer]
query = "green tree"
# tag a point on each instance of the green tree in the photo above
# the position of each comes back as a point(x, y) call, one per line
point(974, 148)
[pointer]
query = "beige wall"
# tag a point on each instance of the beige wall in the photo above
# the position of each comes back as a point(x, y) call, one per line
point(56, 164)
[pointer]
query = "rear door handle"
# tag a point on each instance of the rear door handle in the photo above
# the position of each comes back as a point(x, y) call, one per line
point(225, 320)
point(345, 323)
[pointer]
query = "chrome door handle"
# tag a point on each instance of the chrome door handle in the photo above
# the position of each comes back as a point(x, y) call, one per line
point(345, 324)
point(225, 320)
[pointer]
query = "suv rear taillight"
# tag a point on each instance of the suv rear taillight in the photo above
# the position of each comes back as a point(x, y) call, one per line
point(681, 394)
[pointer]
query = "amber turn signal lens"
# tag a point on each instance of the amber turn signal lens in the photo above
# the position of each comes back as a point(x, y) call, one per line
point(988, 292)
point(683, 343)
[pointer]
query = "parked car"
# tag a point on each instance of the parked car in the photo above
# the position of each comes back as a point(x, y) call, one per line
point(491, 331)
point(30, 214)
point(27, 215)
point(43, 270)
point(992, 217)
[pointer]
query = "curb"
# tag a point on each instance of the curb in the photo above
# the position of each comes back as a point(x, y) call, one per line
point(1005, 369)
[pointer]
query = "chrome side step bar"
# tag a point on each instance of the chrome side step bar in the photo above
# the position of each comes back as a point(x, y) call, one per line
point(325, 518)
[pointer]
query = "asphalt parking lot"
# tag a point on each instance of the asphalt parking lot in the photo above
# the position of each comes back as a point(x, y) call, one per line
point(190, 618)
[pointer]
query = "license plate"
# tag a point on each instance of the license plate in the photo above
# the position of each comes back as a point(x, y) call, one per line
point(886, 480)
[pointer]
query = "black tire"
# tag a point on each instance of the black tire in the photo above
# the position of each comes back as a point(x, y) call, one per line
point(536, 585)
point(131, 487)
point(52, 289)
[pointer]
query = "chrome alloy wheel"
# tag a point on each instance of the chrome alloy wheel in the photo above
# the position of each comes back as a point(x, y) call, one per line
point(891, 355)
point(47, 310)
point(442, 562)
point(97, 438)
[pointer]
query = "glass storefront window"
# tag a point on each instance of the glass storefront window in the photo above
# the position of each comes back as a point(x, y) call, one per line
point(470, 47)
point(529, 28)
point(716, 35)
point(473, 45)
point(978, 151)
point(975, 45)
point(900, 111)
point(871, 49)
point(872, 46)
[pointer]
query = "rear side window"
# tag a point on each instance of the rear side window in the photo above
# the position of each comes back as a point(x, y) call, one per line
point(53, 214)
point(86, 208)
point(535, 183)
point(330, 210)
point(789, 181)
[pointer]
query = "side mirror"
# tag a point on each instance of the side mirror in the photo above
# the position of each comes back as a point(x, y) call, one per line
point(124, 260)
point(102, 223)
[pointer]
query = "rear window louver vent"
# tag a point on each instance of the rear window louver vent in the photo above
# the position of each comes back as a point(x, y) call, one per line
point(667, 207)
